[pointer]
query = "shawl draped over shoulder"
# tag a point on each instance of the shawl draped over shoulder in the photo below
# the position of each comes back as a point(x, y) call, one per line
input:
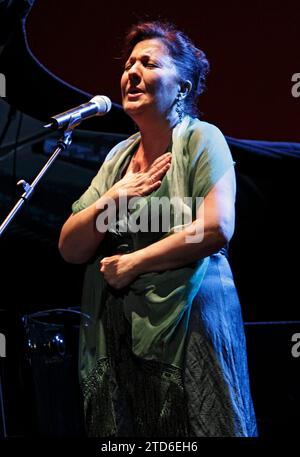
point(157, 305)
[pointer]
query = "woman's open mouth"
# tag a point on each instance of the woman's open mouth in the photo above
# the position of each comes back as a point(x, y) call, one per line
point(134, 93)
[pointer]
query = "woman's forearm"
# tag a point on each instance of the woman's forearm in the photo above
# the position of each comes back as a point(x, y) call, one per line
point(80, 235)
point(177, 250)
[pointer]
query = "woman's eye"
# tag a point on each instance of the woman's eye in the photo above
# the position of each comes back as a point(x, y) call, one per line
point(146, 64)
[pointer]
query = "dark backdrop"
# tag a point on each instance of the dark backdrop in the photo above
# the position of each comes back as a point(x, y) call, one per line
point(253, 48)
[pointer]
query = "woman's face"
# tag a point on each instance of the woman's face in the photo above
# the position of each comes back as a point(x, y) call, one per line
point(150, 83)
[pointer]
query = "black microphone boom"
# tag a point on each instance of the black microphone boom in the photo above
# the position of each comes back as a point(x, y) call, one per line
point(97, 106)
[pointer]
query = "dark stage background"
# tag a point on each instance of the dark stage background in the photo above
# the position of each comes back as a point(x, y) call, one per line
point(253, 48)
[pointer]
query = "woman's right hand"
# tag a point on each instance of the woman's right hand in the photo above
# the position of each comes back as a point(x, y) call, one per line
point(143, 182)
point(80, 237)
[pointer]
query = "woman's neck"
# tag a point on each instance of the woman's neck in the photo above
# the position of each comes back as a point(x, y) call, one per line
point(155, 138)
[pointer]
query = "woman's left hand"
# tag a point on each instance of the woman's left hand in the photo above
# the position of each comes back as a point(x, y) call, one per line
point(118, 270)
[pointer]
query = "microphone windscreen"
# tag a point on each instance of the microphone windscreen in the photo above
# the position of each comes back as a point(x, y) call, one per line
point(103, 103)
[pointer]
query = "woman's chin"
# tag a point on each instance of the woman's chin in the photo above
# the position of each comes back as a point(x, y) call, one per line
point(133, 108)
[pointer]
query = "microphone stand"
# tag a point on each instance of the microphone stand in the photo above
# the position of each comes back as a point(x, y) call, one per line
point(62, 144)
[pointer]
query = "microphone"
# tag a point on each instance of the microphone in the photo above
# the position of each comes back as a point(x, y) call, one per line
point(97, 106)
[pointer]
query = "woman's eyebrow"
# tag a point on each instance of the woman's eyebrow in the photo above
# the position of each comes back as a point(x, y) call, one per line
point(142, 57)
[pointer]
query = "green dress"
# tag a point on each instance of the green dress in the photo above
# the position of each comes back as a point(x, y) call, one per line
point(136, 370)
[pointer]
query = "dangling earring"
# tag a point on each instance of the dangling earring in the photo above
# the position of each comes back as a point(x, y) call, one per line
point(179, 106)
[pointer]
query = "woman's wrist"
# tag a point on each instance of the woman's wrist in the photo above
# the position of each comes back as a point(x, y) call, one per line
point(137, 262)
point(112, 194)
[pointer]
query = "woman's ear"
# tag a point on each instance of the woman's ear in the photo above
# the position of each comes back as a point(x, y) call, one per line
point(185, 88)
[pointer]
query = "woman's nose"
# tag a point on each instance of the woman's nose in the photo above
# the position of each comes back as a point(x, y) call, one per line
point(134, 74)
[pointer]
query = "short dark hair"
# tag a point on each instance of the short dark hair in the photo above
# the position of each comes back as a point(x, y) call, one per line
point(191, 62)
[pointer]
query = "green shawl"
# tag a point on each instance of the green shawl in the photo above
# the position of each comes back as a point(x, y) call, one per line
point(156, 304)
